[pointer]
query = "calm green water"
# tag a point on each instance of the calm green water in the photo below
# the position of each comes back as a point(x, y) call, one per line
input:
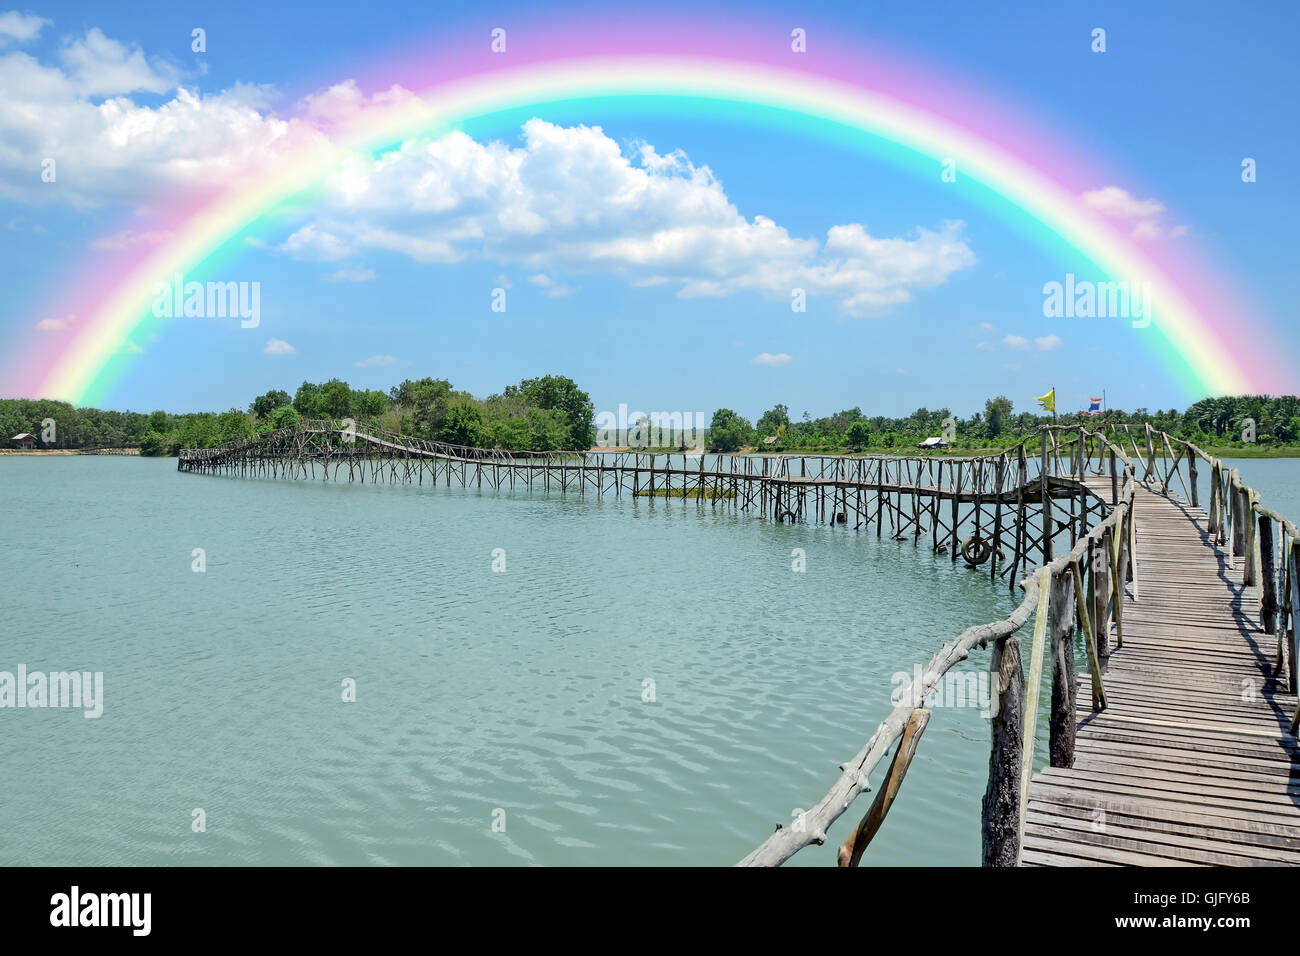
point(476, 692)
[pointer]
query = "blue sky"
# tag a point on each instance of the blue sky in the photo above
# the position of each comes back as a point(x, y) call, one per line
point(1182, 93)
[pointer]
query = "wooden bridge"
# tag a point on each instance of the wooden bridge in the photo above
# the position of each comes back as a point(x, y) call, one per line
point(1172, 737)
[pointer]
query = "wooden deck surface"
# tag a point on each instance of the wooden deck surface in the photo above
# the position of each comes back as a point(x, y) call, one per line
point(1191, 762)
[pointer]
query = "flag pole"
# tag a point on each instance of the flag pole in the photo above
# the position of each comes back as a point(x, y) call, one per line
point(1053, 404)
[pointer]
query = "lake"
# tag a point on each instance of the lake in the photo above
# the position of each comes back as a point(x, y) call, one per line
point(646, 682)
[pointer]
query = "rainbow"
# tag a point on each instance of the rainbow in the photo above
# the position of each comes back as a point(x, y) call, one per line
point(1200, 332)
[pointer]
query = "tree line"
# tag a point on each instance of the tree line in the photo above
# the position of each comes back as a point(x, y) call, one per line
point(552, 412)
point(545, 413)
point(1231, 421)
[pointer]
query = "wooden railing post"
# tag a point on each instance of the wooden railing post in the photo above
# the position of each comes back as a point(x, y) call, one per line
point(1000, 816)
point(1268, 573)
point(1101, 594)
point(1114, 480)
point(1151, 454)
point(1250, 577)
point(1293, 573)
point(1191, 477)
point(1047, 504)
point(1060, 636)
point(1239, 513)
point(1215, 506)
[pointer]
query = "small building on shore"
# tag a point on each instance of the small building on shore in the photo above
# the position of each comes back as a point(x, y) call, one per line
point(931, 443)
point(24, 440)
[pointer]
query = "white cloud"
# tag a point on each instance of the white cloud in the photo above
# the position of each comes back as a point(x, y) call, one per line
point(54, 324)
point(571, 200)
point(353, 275)
point(79, 111)
point(1118, 203)
point(127, 238)
point(278, 347)
point(376, 360)
point(99, 66)
point(20, 27)
point(549, 286)
point(1015, 341)
point(1146, 215)
point(984, 346)
point(767, 358)
point(566, 201)
point(312, 243)
point(1047, 343)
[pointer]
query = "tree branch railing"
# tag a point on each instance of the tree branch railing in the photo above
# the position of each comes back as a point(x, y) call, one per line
point(1058, 600)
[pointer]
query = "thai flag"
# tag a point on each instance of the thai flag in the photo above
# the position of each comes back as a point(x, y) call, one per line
point(1095, 406)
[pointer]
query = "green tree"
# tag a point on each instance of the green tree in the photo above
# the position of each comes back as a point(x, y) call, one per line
point(858, 435)
point(770, 422)
point(336, 399)
point(153, 445)
point(997, 413)
point(559, 393)
point(728, 431)
point(286, 416)
point(265, 404)
point(463, 424)
point(307, 400)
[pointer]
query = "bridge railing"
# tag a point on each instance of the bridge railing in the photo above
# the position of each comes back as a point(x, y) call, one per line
point(1082, 589)
point(1269, 545)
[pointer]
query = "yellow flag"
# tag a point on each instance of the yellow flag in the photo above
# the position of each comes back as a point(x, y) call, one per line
point(1048, 401)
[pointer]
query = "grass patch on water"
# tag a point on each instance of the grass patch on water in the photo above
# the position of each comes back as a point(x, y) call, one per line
point(707, 494)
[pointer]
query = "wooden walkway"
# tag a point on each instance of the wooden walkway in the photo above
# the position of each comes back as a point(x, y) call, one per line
point(1191, 762)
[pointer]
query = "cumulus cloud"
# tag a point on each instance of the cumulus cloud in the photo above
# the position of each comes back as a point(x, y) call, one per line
point(767, 358)
point(79, 110)
point(1144, 216)
point(1015, 341)
point(18, 27)
point(278, 347)
point(1047, 343)
point(561, 203)
point(96, 65)
point(571, 200)
point(376, 360)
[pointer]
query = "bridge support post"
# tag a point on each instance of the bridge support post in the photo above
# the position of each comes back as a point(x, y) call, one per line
point(1000, 811)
